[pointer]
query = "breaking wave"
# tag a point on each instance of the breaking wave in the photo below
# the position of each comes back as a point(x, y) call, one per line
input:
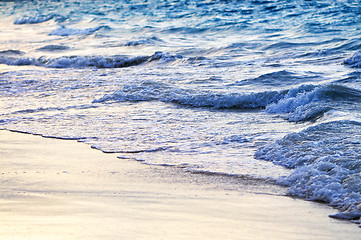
point(151, 91)
point(84, 61)
point(304, 103)
point(309, 101)
point(327, 163)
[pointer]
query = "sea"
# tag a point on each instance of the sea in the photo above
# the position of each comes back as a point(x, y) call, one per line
point(264, 89)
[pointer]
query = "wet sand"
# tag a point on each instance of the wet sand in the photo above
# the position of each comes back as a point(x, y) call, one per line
point(62, 189)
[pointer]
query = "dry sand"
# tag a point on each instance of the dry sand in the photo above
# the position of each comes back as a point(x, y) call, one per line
point(57, 189)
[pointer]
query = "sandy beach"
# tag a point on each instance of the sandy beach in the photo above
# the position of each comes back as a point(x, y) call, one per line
point(62, 189)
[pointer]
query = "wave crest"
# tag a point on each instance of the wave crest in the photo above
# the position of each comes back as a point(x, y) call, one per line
point(307, 102)
point(35, 19)
point(151, 91)
point(84, 61)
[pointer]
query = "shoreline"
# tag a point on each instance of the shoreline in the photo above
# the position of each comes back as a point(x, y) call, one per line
point(62, 189)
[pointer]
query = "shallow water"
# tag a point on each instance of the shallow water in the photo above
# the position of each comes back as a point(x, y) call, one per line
point(269, 89)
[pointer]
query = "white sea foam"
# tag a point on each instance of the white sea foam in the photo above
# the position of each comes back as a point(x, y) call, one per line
point(309, 102)
point(294, 99)
point(355, 60)
point(327, 164)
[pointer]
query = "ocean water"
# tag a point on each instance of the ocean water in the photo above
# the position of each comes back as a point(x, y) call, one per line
point(267, 89)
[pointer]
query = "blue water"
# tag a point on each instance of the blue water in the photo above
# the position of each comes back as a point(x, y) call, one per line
point(268, 89)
